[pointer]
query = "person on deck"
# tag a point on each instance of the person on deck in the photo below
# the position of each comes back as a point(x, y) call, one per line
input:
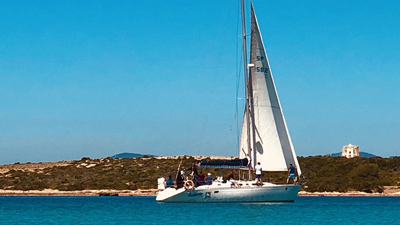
point(258, 173)
point(291, 173)
point(180, 179)
point(232, 179)
point(201, 179)
point(194, 173)
point(209, 179)
point(170, 182)
point(230, 176)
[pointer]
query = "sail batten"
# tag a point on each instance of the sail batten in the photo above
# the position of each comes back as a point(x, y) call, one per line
point(271, 143)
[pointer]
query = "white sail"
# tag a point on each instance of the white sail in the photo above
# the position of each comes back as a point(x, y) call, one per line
point(273, 146)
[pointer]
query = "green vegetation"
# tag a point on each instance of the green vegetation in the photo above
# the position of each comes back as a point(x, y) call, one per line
point(108, 173)
point(325, 173)
point(321, 173)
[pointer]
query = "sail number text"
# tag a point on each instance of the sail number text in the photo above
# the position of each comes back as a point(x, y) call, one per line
point(261, 69)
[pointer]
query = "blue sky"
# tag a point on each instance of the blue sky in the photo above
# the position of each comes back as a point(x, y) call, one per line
point(96, 78)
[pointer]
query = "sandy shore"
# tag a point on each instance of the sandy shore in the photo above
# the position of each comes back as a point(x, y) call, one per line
point(153, 192)
point(104, 192)
point(350, 193)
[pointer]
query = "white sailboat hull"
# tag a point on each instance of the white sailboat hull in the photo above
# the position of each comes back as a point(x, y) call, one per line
point(229, 193)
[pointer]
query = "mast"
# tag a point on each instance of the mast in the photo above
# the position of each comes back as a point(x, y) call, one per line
point(248, 90)
point(251, 106)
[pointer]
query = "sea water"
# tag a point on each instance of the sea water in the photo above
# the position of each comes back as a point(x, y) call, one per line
point(145, 210)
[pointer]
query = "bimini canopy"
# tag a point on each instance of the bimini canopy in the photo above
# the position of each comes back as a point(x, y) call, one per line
point(234, 163)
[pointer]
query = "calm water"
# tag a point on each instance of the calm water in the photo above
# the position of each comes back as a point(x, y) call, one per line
point(145, 210)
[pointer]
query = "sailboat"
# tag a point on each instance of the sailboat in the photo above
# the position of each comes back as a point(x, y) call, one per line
point(264, 139)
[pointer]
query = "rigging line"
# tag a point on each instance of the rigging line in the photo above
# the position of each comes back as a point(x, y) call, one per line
point(238, 75)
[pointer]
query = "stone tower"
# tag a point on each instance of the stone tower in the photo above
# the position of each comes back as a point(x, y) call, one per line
point(350, 151)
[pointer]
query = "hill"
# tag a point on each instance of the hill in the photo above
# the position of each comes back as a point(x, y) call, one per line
point(128, 155)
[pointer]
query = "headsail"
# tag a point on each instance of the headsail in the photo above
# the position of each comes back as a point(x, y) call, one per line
point(273, 146)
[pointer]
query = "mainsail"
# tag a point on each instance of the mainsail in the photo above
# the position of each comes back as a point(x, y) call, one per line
point(273, 147)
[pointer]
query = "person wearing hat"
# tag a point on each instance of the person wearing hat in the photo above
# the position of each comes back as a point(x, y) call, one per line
point(209, 179)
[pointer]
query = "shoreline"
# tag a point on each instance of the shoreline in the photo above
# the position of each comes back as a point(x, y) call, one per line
point(102, 192)
point(153, 192)
point(349, 194)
